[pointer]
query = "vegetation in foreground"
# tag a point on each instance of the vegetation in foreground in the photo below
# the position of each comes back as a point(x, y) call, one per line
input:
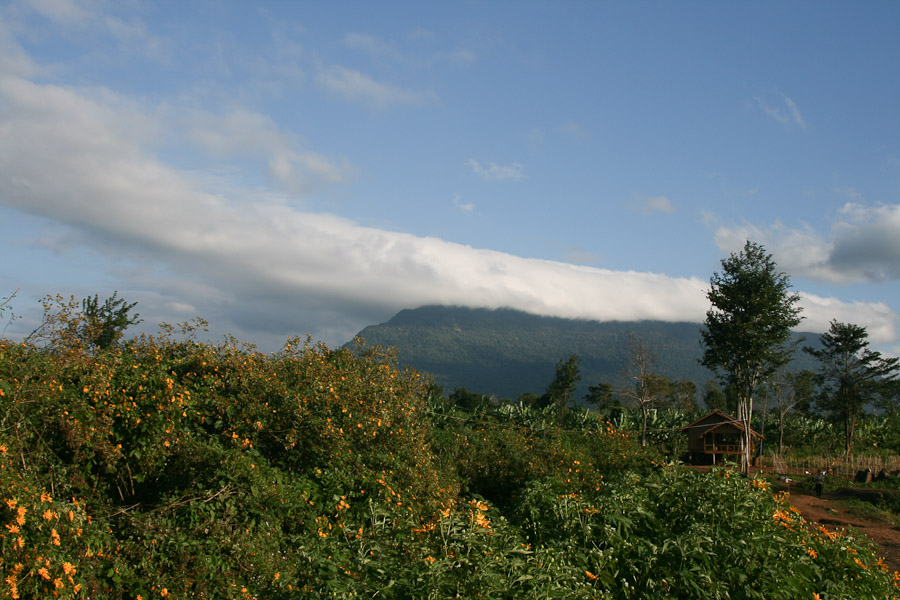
point(162, 467)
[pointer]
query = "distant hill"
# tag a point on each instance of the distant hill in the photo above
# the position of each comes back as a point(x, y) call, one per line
point(506, 352)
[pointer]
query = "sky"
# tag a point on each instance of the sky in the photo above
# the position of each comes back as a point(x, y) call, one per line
point(311, 168)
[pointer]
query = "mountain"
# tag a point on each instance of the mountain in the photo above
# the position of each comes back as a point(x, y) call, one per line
point(505, 352)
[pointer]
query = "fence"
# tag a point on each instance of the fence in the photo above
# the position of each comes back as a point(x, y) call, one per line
point(837, 466)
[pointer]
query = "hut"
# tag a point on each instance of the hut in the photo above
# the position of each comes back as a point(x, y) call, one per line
point(715, 436)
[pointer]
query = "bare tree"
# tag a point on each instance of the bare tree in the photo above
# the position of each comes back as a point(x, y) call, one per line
point(645, 388)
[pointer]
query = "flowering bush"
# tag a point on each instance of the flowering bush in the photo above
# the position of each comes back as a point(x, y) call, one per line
point(168, 468)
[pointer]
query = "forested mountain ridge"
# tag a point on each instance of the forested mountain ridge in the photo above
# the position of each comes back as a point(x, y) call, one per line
point(506, 352)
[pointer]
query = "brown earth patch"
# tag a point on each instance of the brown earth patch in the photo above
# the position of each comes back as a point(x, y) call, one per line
point(830, 513)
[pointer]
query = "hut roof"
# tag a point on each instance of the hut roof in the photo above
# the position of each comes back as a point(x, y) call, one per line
point(716, 419)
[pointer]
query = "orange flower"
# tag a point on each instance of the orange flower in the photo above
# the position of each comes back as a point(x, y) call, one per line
point(591, 575)
point(68, 568)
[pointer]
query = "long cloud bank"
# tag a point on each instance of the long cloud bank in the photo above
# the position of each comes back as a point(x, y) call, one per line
point(88, 159)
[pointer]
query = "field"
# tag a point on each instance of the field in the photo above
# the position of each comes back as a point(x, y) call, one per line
point(167, 468)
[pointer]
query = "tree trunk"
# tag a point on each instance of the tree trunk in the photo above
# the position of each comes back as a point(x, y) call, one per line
point(644, 428)
point(745, 409)
point(849, 424)
point(781, 435)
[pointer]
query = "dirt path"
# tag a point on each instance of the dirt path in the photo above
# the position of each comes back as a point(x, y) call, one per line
point(828, 511)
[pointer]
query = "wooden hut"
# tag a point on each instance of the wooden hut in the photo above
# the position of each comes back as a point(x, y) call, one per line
point(715, 436)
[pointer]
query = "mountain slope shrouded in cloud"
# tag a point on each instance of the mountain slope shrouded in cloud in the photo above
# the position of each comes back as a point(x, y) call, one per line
point(507, 352)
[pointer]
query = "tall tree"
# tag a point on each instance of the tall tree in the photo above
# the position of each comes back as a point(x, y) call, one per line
point(104, 324)
point(561, 389)
point(790, 392)
point(850, 375)
point(683, 395)
point(646, 388)
point(748, 326)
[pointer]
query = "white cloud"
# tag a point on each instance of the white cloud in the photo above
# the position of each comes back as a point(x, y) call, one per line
point(375, 47)
point(785, 111)
point(465, 207)
point(862, 246)
point(62, 11)
point(255, 263)
point(653, 204)
point(876, 317)
point(356, 87)
point(13, 59)
point(131, 35)
point(420, 34)
point(494, 172)
point(580, 256)
point(573, 130)
point(458, 56)
point(245, 133)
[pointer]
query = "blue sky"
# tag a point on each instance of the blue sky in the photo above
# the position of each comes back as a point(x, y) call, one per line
point(293, 168)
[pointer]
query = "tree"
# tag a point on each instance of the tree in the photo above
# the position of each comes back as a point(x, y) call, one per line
point(713, 396)
point(791, 392)
point(602, 396)
point(470, 401)
point(850, 375)
point(647, 388)
point(105, 324)
point(561, 389)
point(683, 395)
point(748, 326)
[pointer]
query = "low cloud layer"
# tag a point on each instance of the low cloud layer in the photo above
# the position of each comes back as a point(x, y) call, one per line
point(85, 160)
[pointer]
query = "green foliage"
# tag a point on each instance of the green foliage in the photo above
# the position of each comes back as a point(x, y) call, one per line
point(560, 391)
point(748, 327)
point(851, 375)
point(105, 324)
point(162, 467)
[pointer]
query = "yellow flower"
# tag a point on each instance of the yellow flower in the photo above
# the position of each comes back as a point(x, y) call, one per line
point(3, 449)
point(68, 568)
point(45, 497)
point(43, 572)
